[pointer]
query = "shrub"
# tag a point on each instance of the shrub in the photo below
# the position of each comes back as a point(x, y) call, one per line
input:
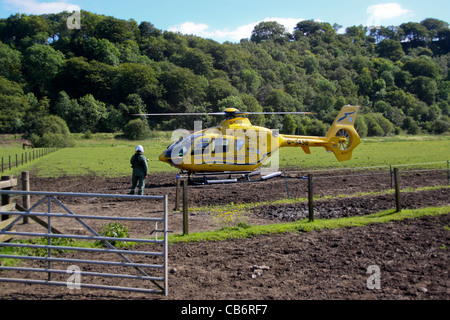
point(50, 124)
point(137, 129)
point(114, 230)
point(52, 140)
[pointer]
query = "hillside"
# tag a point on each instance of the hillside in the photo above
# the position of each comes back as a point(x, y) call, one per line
point(95, 77)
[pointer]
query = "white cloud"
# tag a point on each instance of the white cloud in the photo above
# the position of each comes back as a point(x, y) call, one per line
point(192, 28)
point(384, 11)
point(35, 7)
point(241, 32)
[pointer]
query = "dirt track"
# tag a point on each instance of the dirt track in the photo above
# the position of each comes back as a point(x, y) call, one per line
point(412, 255)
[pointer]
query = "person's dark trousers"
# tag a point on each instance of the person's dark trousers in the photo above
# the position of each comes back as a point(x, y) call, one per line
point(139, 182)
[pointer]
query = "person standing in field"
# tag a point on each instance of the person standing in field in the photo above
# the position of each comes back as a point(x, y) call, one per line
point(140, 170)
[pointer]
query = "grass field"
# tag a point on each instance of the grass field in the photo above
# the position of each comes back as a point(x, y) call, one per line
point(104, 155)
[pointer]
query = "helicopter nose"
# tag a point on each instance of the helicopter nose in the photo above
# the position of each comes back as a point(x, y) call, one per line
point(162, 157)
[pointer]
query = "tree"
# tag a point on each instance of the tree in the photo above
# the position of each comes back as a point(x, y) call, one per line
point(410, 125)
point(51, 124)
point(434, 26)
point(415, 33)
point(13, 106)
point(116, 30)
point(41, 64)
point(81, 115)
point(135, 78)
point(148, 30)
point(289, 125)
point(310, 27)
point(101, 50)
point(137, 129)
point(390, 49)
point(269, 30)
point(10, 63)
point(373, 127)
point(92, 111)
point(425, 88)
point(79, 77)
point(252, 105)
point(279, 100)
point(182, 86)
point(199, 62)
point(422, 67)
point(219, 89)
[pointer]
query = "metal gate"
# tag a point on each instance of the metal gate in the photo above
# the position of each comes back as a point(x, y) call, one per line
point(154, 274)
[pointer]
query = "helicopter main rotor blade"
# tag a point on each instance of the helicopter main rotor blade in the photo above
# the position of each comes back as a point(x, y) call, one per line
point(180, 114)
point(281, 112)
point(217, 113)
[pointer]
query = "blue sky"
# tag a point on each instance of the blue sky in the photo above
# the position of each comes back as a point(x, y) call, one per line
point(232, 20)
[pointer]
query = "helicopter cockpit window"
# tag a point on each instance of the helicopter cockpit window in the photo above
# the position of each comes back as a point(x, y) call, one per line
point(181, 147)
point(201, 147)
point(239, 144)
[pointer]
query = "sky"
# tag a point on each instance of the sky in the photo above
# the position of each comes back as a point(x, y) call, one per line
point(233, 20)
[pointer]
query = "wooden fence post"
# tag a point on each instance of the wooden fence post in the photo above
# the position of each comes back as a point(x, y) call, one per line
point(285, 180)
point(177, 195)
point(6, 198)
point(26, 197)
point(310, 198)
point(185, 207)
point(398, 204)
point(448, 172)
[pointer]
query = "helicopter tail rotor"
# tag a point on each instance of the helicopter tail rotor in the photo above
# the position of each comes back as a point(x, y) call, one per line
point(342, 136)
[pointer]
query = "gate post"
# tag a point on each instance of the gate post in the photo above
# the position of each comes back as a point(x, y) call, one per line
point(25, 197)
point(6, 198)
point(166, 245)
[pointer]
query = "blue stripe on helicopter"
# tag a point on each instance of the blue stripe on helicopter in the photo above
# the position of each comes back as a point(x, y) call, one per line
point(345, 116)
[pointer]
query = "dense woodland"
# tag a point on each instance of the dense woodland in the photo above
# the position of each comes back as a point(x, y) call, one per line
point(54, 79)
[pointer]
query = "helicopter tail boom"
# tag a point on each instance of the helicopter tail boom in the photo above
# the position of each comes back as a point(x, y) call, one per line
point(341, 138)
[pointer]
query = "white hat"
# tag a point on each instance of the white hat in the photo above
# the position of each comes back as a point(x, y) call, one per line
point(140, 148)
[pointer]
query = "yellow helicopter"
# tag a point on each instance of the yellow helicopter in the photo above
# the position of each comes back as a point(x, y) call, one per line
point(238, 147)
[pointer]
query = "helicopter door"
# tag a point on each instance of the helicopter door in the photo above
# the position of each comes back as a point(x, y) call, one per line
point(201, 151)
point(239, 151)
point(219, 149)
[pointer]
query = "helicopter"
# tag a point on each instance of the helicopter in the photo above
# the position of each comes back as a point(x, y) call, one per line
point(238, 147)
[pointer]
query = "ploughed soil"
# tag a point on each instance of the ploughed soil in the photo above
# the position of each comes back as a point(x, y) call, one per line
point(410, 256)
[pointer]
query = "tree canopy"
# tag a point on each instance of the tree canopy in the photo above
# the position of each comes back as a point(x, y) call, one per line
point(95, 78)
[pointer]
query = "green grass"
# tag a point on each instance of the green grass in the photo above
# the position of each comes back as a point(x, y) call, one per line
point(104, 155)
point(375, 152)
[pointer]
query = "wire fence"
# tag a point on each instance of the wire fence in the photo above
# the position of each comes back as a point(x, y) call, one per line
point(19, 159)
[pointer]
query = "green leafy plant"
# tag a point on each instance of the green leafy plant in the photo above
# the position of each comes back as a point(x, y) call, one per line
point(114, 230)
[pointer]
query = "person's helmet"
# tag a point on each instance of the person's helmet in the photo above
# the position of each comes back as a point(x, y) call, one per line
point(140, 148)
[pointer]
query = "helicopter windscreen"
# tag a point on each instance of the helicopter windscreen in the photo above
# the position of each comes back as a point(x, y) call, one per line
point(181, 147)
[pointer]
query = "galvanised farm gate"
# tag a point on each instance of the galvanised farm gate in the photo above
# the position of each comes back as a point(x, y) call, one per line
point(146, 277)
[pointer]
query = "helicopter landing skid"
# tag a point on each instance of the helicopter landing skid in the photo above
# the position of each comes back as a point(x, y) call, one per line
point(232, 177)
